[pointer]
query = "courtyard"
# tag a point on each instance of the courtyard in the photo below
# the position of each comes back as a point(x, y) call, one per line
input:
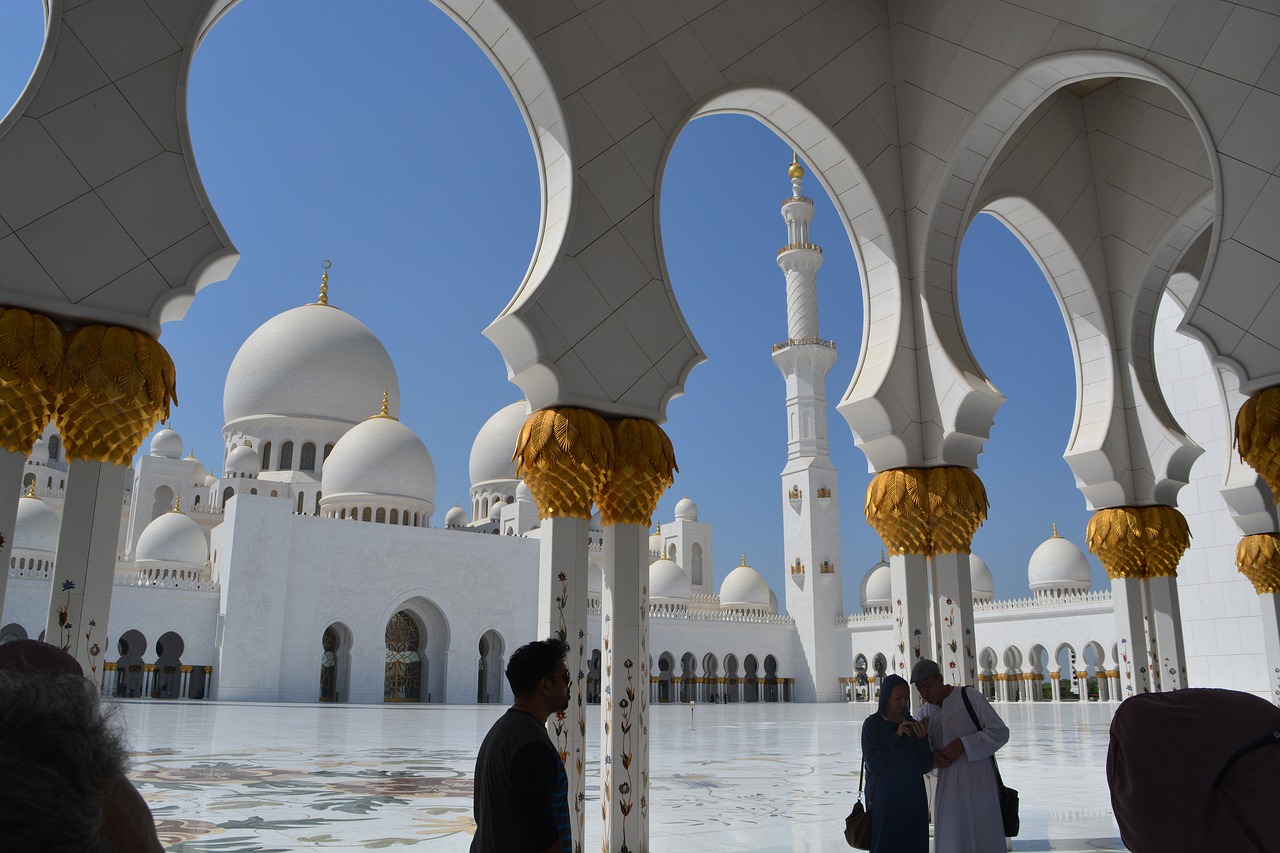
point(259, 778)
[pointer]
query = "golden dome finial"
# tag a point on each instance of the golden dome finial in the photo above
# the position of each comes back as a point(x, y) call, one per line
point(744, 560)
point(386, 406)
point(796, 170)
point(31, 489)
point(177, 504)
point(1055, 531)
point(323, 298)
point(246, 443)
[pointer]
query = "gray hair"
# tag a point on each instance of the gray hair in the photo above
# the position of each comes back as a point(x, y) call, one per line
point(59, 758)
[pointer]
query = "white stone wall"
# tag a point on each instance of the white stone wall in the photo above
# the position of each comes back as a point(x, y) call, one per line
point(1220, 615)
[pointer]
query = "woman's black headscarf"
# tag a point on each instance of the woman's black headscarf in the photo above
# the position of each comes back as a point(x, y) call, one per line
point(886, 690)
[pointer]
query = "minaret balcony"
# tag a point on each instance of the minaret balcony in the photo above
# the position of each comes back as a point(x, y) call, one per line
point(827, 567)
point(797, 568)
point(804, 342)
point(824, 492)
point(792, 199)
point(790, 247)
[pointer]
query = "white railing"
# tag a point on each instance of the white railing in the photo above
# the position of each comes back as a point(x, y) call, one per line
point(199, 584)
point(1039, 602)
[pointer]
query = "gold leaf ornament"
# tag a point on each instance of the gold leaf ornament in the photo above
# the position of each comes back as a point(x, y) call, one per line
point(926, 511)
point(1258, 559)
point(1138, 541)
point(563, 455)
point(117, 385)
point(1257, 436)
point(31, 353)
point(644, 466)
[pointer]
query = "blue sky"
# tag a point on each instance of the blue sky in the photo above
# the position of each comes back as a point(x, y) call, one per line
point(379, 136)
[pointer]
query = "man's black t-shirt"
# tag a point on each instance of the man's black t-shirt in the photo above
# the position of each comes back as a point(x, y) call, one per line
point(520, 787)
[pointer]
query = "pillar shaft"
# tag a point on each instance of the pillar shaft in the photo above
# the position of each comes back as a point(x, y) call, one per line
point(1056, 685)
point(1165, 626)
point(11, 465)
point(953, 621)
point(1269, 605)
point(624, 714)
point(562, 612)
point(909, 581)
point(86, 563)
point(1126, 597)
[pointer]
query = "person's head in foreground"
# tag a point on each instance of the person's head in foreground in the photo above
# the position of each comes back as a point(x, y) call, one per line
point(539, 677)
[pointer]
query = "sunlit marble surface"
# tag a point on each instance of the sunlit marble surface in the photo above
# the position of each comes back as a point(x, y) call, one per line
point(236, 778)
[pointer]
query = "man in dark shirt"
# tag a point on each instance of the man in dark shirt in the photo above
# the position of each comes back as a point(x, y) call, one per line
point(521, 789)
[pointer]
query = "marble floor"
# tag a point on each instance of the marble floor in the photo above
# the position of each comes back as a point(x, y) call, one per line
point(257, 778)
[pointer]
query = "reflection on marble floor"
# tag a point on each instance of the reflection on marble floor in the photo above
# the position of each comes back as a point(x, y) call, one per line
point(252, 778)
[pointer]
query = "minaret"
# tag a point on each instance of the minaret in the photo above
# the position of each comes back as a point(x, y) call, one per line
point(810, 496)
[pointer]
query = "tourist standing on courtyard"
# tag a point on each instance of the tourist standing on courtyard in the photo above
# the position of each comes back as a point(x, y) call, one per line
point(966, 806)
point(521, 789)
point(897, 756)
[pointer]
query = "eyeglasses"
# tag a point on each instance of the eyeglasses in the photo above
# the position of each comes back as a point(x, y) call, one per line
point(564, 676)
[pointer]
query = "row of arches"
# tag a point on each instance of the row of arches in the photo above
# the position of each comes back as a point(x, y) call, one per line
point(29, 480)
point(30, 567)
point(380, 515)
point(285, 459)
point(484, 501)
point(745, 679)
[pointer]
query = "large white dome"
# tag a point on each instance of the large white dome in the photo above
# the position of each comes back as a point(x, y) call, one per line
point(1058, 564)
point(36, 527)
point(312, 361)
point(983, 586)
point(167, 443)
point(668, 583)
point(744, 589)
point(173, 538)
point(495, 443)
point(686, 509)
point(877, 587)
point(380, 458)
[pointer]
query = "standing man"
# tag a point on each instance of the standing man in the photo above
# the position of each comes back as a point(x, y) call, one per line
point(966, 809)
point(521, 789)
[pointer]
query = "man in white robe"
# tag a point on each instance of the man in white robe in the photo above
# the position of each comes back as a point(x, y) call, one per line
point(966, 807)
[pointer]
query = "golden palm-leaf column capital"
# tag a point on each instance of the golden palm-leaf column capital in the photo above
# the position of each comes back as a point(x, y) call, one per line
point(31, 353)
point(1257, 436)
point(564, 456)
point(926, 511)
point(1138, 542)
point(644, 466)
point(1258, 559)
point(117, 385)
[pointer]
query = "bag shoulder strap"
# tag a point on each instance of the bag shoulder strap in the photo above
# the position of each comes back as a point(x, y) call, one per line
point(968, 706)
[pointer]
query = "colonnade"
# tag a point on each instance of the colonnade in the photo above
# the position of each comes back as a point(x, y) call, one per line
point(112, 681)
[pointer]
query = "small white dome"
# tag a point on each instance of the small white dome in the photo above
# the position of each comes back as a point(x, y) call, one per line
point(313, 361)
point(1058, 564)
point(983, 586)
point(668, 583)
point(877, 587)
point(209, 480)
point(456, 517)
point(744, 589)
point(495, 443)
point(524, 493)
point(36, 527)
point(686, 510)
point(243, 460)
point(39, 452)
point(167, 443)
point(198, 471)
point(173, 538)
point(380, 458)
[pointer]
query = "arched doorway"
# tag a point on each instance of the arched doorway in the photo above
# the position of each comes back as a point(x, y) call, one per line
point(168, 679)
point(335, 663)
point(711, 678)
point(593, 678)
point(771, 679)
point(666, 662)
point(129, 676)
point(751, 671)
point(688, 677)
point(491, 668)
point(162, 502)
point(12, 631)
point(732, 689)
point(404, 676)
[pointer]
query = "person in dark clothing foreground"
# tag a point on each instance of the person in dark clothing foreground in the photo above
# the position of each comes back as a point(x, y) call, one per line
point(521, 789)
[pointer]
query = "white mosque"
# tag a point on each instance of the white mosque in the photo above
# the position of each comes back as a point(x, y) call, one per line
point(310, 568)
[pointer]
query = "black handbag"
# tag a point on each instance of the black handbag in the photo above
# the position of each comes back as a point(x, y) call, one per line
point(857, 826)
point(1008, 796)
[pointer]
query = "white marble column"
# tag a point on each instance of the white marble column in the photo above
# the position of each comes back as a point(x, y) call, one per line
point(1166, 625)
point(562, 612)
point(1269, 605)
point(1126, 598)
point(86, 563)
point(909, 578)
point(1055, 684)
point(624, 712)
point(954, 619)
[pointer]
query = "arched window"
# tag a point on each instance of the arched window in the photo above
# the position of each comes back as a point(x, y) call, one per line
point(301, 497)
point(381, 517)
point(415, 519)
point(266, 456)
point(395, 516)
point(50, 484)
point(253, 491)
point(308, 462)
point(696, 560)
point(55, 448)
point(274, 493)
point(342, 513)
point(226, 494)
point(286, 456)
point(28, 481)
point(484, 508)
point(317, 503)
point(404, 518)
point(196, 502)
point(367, 515)
point(328, 448)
